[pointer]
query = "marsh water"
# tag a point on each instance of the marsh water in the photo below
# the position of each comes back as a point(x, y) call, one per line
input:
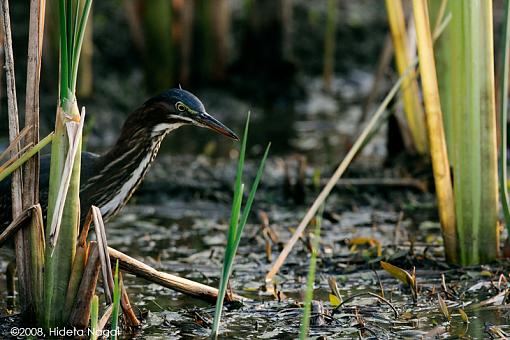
point(186, 235)
point(177, 223)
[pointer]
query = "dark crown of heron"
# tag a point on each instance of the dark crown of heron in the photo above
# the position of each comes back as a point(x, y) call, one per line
point(180, 105)
point(165, 112)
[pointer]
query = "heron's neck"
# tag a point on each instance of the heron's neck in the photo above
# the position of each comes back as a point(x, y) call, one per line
point(137, 144)
point(123, 168)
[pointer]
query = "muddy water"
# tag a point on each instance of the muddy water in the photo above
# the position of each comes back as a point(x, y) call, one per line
point(179, 226)
point(185, 235)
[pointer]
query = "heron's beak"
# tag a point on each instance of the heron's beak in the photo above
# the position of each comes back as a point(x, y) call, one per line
point(206, 120)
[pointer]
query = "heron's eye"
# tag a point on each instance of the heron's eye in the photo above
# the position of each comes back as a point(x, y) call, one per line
point(180, 107)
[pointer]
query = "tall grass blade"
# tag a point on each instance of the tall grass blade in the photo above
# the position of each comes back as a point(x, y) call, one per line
point(80, 33)
point(94, 315)
point(25, 157)
point(503, 106)
point(236, 225)
point(305, 322)
point(64, 61)
point(253, 191)
point(116, 303)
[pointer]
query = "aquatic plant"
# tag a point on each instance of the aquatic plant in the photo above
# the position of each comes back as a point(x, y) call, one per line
point(470, 231)
point(63, 195)
point(435, 129)
point(305, 321)
point(411, 96)
point(94, 315)
point(503, 106)
point(237, 224)
point(116, 302)
point(29, 241)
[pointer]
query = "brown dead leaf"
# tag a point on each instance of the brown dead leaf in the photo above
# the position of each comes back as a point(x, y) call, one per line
point(443, 307)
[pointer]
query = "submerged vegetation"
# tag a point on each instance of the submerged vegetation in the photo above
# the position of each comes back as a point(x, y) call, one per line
point(410, 242)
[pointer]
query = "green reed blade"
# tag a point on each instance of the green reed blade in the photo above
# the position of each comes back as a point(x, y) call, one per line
point(236, 226)
point(503, 105)
point(94, 316)
point(305, 322)
point(116, 302)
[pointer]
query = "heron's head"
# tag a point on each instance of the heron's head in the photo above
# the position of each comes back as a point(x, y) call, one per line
point(177, 107)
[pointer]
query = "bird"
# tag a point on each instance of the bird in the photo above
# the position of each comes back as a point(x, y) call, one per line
point(108, 181)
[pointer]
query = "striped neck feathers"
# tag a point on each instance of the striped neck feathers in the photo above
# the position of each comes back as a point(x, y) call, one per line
point(123, 168)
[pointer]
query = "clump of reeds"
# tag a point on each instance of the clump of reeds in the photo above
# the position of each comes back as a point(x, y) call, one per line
point(470, 230)
point(64, 185)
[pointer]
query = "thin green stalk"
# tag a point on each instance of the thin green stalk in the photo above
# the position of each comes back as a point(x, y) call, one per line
point(236, 225)
point(64, 62)
point(26, 156)
point(503, 106)
point(305, 323)
point(94, 316)
point(79, 42)
point(116, 302)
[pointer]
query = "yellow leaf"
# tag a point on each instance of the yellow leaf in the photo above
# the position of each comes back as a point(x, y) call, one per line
point(334, 300)
point(397, 273)
point(401, 275)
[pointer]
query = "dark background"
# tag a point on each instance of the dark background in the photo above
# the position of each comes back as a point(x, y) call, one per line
point(266, 56)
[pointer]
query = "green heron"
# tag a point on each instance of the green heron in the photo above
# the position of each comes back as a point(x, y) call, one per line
point(109, 180)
